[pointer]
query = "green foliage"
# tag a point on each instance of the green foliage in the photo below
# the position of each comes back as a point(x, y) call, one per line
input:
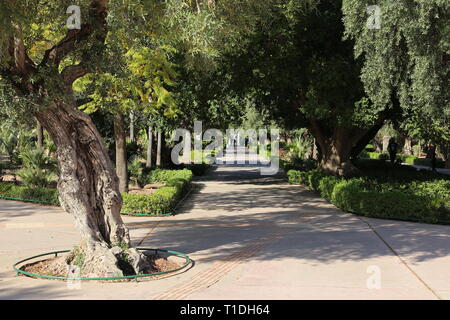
point(406, 59)
point(45, 195)
point(198, 169)
point(78, 257)
point(419, 197)
point(424, 161)
point(38, 168)
point(135, 171)
point(164, 176)
point(177, 183)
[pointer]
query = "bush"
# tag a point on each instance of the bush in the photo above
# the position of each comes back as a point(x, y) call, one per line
point(135, 171)
point(165, 198)
point(199, 169)
point(44, 195)
point(417, 200)
point(440, 163)
point(383, 156)
point(164, 176)
point(327, 185)
point(38, 168)
point(162, 201)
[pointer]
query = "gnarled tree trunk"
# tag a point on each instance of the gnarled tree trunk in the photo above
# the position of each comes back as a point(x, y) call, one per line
point(88, 190)
point(338, 145)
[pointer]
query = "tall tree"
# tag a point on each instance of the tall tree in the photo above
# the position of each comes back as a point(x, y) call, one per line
point(406, 58)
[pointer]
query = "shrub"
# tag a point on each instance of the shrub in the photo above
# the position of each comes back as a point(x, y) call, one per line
point(440, 163)
point(199, 169)
point(38, 168)
point(162, 201)
point(425, 199)
point(177, 183)
point(327, 185)
point(164, 176)
point(314, 179)
point(135, 171)
point(383, 156)
point(44, 195)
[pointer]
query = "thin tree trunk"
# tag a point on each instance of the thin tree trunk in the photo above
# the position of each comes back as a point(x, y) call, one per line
point(158, 151)
point(121, 151)
point(149, 162)
point(40, 135)
point(132, 136)
point(88, 190)
point(407, 148)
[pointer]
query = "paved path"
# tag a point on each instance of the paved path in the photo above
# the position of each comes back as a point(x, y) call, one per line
point(251, 237)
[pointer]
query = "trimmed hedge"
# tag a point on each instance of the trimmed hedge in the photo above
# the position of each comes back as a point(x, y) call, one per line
point(440, 163)
point(164, 199)
point(177, 183)
point(417, 201)
point(164, 176)
point(46, 195)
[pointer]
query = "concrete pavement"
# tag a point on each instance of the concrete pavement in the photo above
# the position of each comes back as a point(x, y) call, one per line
point(251, 237)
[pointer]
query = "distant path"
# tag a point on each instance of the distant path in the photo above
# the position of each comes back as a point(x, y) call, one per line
point(251, 237)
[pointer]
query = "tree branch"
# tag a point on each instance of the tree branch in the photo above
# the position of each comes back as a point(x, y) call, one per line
point(73, 72)
point(97, 18)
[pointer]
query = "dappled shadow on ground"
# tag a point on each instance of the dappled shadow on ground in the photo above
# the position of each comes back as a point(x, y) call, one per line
point(35, 290)
point(327, 237)
point(12, 209)
point(236, 208)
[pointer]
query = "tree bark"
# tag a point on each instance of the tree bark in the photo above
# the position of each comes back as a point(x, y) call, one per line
point(88, 190)
point(159, 149)
point(407, 148)
point(88, 186)
point(121, 151)
point(40, 135)
point(132, 136)
point(337, 145)
point(446, 153)
point(149, 162)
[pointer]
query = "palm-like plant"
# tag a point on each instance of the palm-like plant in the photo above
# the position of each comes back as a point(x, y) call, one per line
point(135, 170)
point(38, 168)
point(9, 142)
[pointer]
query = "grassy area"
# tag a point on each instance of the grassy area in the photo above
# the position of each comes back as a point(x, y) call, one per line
point(381, 191)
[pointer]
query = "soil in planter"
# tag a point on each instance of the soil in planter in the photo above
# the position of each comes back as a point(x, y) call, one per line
point(57, 267)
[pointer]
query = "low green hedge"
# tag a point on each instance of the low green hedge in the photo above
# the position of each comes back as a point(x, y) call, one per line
point(160, 202)
point(177, 183)
point(440, 163)
point(45, 195)
point(417, 201)
point(164, 176)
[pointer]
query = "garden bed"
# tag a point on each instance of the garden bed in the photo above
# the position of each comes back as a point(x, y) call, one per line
point(159, 202)
point(406, 195)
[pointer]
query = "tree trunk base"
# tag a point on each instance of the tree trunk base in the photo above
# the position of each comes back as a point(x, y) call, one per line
point(99, 261)
point(345, 169)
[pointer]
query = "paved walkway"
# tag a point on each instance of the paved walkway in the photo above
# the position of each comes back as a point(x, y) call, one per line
point(251, 237)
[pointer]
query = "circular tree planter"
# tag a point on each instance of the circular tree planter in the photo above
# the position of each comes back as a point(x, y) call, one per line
point(19, 271)
point(147, 214)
